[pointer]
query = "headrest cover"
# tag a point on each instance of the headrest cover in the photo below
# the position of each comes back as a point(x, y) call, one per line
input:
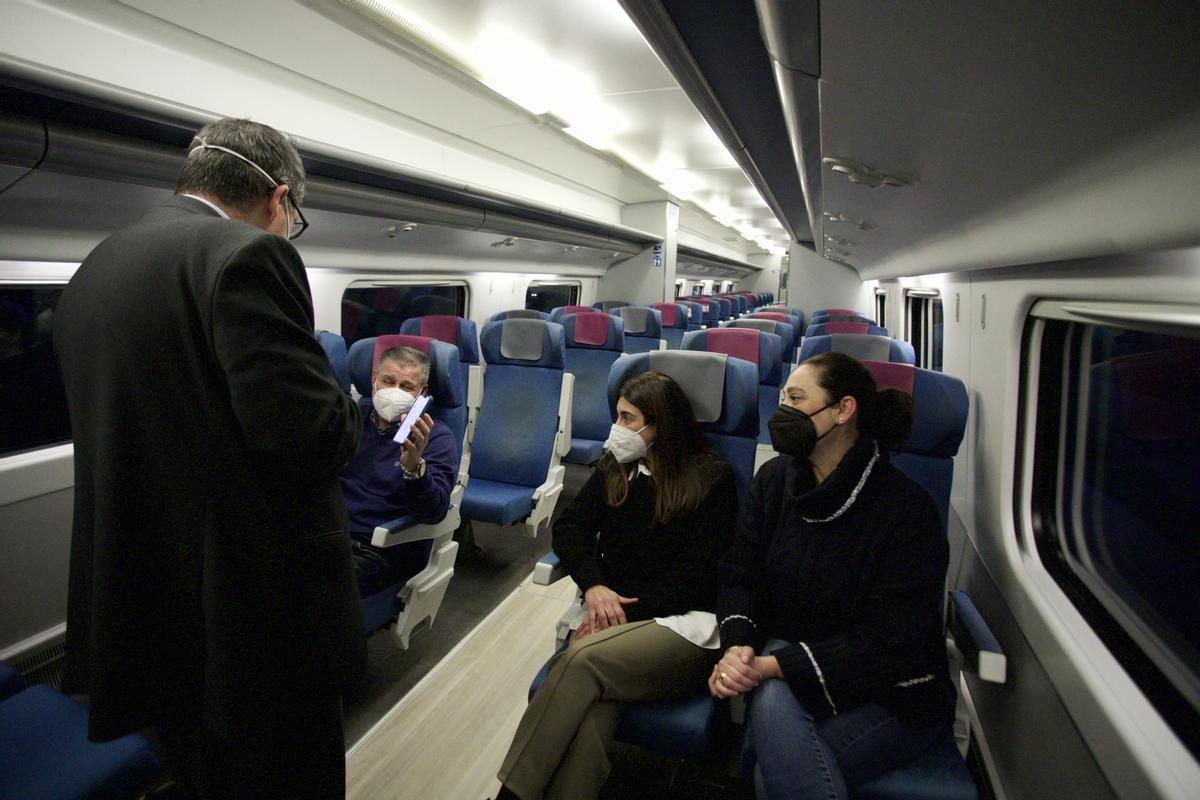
point(588, 328)
point(701, 376)
point(737, 342)
point(522, 313)
point(440, 327)
point(843, 318)
point(389, 341)
point(670, 314)
point(834, 311)
point(892, 376)
point(864, 348)
point(764, 325)
point(522, 339)
point(609, 305)
point(640, 321)
point(774, 316)
point(846, 327)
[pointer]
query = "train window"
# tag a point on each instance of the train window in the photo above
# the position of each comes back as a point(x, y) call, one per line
point(546, 296)
point(33, 406)
point(881, 308)
point(923, 326)
point(679, 288)
point(698, 288)
point(1115, 489)
point(375, 309)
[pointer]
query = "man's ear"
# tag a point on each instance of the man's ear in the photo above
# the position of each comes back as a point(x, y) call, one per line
point(277, 207)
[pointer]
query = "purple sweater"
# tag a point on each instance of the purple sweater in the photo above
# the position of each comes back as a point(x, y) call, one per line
point(373, 484)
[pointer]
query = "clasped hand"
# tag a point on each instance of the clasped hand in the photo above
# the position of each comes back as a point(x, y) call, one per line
point(739, 671)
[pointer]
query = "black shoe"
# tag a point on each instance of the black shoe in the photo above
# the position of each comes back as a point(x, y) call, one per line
point(467, 549)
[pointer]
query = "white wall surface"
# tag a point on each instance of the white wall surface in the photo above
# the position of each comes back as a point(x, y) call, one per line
point(815, 282)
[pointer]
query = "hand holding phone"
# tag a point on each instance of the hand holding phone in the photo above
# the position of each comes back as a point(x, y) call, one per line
point(414, 414)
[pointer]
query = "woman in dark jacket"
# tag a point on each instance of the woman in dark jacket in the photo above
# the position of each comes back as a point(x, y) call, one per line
point(641, 540)
point(831, 598)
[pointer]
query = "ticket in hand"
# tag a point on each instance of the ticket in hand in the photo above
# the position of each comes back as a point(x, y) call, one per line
point(414, 414)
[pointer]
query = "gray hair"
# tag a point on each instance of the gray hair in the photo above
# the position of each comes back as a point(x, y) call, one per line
point(230, 179)
point(405, 357)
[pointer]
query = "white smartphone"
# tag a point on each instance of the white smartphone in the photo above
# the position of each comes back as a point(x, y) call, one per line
point(414, 414)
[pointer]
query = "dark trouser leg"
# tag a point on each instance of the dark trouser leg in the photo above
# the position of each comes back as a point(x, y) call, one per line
point(637, 661)
point(792, 761)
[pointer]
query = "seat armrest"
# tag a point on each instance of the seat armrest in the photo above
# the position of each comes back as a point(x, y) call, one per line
point(974, 639)
point(406, 529)
point(548, 570)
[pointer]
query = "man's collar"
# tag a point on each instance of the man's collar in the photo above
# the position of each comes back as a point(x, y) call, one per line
point(208, 203)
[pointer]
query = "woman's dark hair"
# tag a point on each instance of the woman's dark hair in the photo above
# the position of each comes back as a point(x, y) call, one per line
point(885, 416)
point(681, 454)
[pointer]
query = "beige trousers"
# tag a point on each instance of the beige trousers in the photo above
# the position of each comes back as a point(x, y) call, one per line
point(560, 751)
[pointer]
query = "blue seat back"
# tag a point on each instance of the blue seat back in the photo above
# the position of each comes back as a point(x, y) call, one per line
point(593, 340)
point(939, 421)
point(519, 313)
point(825, 328)
point(452, 330)
point(335, 350)
point(785, 310)
point(674, 318)
point(864, 347)
point(556, 314)
point(608, 306)
point(518, 420)
point(826, 311)
point(695, 312)
point(446, 387)
point(723, 394)
point(763, 350)
point(783, 330)
point(643, 328)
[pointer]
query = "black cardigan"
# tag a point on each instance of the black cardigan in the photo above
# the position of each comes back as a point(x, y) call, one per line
point(859, 596)
point(671, 568)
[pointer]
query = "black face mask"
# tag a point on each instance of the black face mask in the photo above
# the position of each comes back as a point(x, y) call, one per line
point(793, 432)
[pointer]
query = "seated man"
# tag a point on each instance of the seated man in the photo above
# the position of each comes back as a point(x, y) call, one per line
point(386, 480)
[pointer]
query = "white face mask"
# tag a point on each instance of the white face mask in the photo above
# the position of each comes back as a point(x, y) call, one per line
point(392, 403)
point(626, 445)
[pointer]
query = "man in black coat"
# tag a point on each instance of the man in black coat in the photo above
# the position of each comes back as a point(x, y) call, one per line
point(211, 589)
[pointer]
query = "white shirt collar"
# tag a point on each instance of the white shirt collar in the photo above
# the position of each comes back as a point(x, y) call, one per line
point(642, 469)
point(208, 203)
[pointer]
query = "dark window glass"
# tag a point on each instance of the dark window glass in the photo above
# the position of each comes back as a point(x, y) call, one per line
point(924, 329)
point(1117, 498)
point(378, 310)
point(33, 406)
point(547, 296)
point(881, 309)
point(698, 288)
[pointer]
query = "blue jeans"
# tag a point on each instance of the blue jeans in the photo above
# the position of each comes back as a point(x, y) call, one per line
point(795, 757)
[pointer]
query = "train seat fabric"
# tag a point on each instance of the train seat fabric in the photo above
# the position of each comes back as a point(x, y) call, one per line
point(939, 422)
point(783, 330)
point(335, 350)
point(594, 340)
point(763, 350)
point(937, 774)
point(782, 309)
point(695, 311)
point(452, 330)
point(824, 328)
point(862, 347)
point(821, 318)
point(45, 752)
point(643, 328)
point(518, 420)
point(788, 318)
point(712, 311)
point(826, 311)
point(519, 313)
point(674, 317)
point(608, 306)
point(556, 314)
point(11, 681)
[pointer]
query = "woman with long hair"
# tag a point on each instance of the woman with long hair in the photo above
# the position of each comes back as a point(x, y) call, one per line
point(831, 597)
point(641, 540)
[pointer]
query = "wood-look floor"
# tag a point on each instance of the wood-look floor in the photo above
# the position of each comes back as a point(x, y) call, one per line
point(446, 738)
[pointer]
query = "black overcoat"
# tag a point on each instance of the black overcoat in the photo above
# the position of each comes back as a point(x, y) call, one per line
point(209, 555)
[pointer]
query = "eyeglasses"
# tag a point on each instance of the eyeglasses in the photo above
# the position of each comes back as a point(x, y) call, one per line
point(302, 225)
point(294, 232)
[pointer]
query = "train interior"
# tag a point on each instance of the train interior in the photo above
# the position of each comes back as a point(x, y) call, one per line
point(1003, 197)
